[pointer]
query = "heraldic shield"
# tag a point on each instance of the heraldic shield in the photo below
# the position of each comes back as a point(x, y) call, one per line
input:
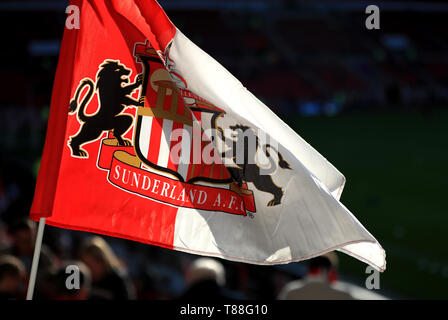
point(169, 136)
point(172, 145)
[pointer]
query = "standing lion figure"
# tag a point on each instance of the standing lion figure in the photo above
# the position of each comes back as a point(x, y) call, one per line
point(247, 170)
point(114, 95)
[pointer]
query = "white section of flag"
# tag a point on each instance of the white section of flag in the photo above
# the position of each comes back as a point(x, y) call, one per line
point(145, 135)
point(310, 220)
point(165, 143)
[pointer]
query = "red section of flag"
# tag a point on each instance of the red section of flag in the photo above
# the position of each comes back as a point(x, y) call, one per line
point(54, 142)
point(74, 192)
point(155, 140)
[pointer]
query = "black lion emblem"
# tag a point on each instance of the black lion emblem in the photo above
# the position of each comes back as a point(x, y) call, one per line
point(113, 94)
point(249, 171)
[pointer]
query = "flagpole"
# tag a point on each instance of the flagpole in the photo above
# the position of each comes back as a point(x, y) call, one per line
point(37, 248)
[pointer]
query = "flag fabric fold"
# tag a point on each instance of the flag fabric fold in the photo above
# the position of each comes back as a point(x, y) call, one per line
point(152, 140)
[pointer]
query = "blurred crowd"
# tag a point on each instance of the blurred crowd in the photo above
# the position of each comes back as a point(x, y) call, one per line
point(81, 266)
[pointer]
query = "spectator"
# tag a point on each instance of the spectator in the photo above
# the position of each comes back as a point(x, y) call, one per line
point(23, 237)
point(319, 283)
point(109, 278)
point(206, 280)
point(12, 274)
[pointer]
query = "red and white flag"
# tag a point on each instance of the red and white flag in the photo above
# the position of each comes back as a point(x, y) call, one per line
point(151, 139)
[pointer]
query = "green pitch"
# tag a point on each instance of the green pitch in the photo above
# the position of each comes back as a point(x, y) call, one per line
point(397, 184)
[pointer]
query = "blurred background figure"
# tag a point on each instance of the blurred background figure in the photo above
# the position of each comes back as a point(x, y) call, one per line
point(12, 274)
point(206, 279)
point(110, 280)
point(319, 283)
point(322, 283)
point(59, 283)
point(22, 235)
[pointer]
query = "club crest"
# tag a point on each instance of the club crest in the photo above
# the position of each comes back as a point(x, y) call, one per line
point(173, 156)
